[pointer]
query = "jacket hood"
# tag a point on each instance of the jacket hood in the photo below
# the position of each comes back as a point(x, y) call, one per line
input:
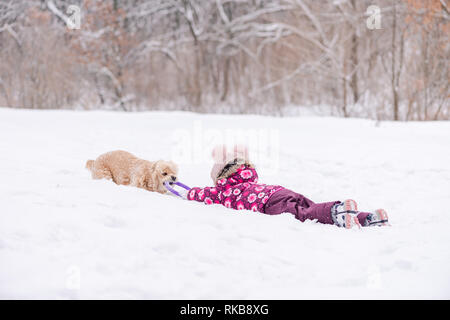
point(235, 172)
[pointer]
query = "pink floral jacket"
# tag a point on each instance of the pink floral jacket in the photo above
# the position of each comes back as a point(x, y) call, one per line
point(239, 191)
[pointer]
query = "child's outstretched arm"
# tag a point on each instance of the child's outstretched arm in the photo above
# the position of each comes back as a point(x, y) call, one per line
point(208, 195)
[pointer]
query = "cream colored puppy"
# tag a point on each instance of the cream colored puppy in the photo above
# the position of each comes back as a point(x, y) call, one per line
point(124, 168)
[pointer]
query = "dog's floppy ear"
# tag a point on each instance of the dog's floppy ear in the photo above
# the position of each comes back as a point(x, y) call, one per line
point(241, 151)
point(219, 153)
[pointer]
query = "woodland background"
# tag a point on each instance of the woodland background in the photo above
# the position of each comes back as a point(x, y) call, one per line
point(228, 56)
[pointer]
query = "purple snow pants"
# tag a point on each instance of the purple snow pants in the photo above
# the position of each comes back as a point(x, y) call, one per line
point(302, 208)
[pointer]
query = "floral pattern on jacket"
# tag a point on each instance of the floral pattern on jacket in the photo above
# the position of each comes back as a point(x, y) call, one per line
point(239, 191)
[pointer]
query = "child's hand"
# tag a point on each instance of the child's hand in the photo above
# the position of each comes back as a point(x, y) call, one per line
point(183, 193)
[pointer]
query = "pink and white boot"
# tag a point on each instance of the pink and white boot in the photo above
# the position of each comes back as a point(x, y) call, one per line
point(377, 218)
point(345, 214)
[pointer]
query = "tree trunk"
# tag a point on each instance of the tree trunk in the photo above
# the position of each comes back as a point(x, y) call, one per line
point(394, 63)
point(226, 71)
point(354, 60)
point(344, 97)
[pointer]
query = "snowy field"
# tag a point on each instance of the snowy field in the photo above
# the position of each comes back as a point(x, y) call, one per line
point(66, 236)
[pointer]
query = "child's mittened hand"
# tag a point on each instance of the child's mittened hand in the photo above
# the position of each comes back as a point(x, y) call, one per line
point(183, 193)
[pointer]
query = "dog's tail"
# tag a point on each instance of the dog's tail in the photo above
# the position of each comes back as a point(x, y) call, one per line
point(89, 164)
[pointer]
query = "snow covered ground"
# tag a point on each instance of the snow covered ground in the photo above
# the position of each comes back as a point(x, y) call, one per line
point(66, 236)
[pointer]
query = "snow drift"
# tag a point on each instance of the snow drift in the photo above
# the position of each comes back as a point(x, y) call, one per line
point(66, 236)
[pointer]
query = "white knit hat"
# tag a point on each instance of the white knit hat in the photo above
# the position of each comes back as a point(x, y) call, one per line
point(222, 158)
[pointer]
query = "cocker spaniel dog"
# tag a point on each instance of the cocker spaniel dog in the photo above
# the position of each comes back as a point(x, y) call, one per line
point(124, 168)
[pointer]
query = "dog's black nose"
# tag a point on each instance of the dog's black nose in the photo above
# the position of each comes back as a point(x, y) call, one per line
point(174, 178)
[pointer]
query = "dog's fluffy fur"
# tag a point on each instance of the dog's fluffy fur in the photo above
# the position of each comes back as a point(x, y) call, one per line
point(124, 168)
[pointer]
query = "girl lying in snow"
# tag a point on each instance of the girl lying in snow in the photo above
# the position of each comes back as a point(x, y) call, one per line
point(237, 187)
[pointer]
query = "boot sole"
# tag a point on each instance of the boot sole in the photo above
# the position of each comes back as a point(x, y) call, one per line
point(350, 206)
point(382, 218)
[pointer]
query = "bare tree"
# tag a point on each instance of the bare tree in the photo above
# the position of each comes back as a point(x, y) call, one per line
point(244, 56)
